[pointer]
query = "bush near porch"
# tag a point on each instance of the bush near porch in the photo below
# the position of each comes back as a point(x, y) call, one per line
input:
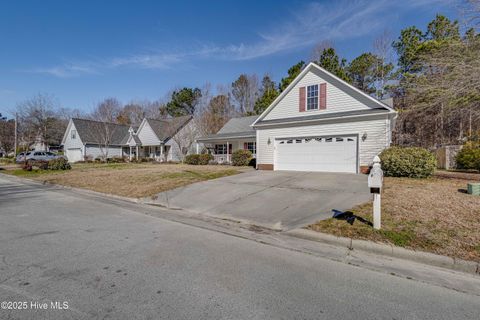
point(241, 157)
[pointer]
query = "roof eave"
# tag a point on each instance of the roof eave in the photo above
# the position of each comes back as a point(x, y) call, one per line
point(303, 121)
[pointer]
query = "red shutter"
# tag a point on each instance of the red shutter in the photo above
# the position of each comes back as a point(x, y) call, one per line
point(245, 146)
point(323, 96)
point(301, 99)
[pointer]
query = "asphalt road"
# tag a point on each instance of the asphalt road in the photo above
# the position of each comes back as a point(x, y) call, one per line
point(111, 261)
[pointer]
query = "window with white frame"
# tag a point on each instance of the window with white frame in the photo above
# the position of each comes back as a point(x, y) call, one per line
point(73, 134)
point(312, 97)
point(251, 146)
point(222, 149)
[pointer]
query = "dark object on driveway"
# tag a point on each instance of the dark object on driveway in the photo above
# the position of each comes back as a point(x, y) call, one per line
point(349, 217)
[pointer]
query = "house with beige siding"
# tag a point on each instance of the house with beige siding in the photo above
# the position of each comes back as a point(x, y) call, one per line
point(318, 123)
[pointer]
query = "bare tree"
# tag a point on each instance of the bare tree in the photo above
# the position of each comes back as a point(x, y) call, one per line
point(105, 116)
point(184, 137)
point(108, 110)
point(382, 46)
point(318, 49)
point(245, 92)
point(38, 121)
point(216, 114)
point(7, 134)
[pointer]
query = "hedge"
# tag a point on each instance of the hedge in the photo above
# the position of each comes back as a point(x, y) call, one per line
point(241, 157)
point(55, 164)
point(198, 159)
point(469, 157)
point(411, 162)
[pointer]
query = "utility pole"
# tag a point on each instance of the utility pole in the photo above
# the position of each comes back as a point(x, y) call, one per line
point(15, 148)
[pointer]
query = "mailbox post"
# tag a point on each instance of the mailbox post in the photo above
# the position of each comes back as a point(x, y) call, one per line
point(375, 183)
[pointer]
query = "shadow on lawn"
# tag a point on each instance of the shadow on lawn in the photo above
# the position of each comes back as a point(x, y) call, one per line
point(349, 217)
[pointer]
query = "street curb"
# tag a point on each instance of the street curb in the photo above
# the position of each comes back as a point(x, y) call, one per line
point(389, 250)
point(79, 190)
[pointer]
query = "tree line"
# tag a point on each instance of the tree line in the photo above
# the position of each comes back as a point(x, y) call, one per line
point(432, 74)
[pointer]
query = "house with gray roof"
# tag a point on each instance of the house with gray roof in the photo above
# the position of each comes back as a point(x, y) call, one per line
point(318, 123)
point(237, 133)
point(161, 140)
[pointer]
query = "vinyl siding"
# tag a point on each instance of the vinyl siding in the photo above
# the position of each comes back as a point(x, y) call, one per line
point(337, 100)
point(189, 131)
point(72, 143)
point(147, 135)
point(95, 151)
point(376, 129)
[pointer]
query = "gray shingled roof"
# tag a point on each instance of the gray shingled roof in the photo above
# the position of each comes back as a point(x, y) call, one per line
point(234, 128)
point(165, 129)
point(91, 131)
point(236, 125)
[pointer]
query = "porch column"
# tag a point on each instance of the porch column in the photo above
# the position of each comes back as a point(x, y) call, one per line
point(130, 154)
point(198, 147)
point(228, 152)
point(137, 153)
point(161, 152)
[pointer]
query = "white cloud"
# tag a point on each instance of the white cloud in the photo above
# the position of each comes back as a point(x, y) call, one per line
point(65, 70)
point(340, 20)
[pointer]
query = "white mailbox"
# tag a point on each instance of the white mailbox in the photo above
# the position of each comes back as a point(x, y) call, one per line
point(375, 182)
point(375, 178)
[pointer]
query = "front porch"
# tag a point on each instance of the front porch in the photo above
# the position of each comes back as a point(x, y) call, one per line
point(222, 150)
point(160, 153)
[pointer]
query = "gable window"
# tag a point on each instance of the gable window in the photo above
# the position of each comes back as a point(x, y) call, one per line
point(73, 134)
point(312, 97)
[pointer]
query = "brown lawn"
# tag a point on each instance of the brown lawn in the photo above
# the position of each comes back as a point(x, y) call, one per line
point(129, 179)
point(435, 215)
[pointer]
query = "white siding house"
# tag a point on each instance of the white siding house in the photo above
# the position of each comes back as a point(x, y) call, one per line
point(321, 123)
point(318, 123)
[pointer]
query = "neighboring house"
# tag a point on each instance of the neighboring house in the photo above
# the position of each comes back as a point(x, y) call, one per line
point(156, 139)
point(318, 123)
point(237, 133)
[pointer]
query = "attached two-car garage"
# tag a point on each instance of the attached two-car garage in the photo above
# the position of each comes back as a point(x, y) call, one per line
point(322, 153)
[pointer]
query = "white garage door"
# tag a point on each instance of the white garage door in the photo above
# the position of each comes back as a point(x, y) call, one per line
point(74, 155)
point(329, 154)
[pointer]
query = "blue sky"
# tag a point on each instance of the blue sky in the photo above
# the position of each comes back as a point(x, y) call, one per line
point(84, 51)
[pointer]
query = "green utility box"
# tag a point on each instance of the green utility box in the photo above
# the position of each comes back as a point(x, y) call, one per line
point(474, 189)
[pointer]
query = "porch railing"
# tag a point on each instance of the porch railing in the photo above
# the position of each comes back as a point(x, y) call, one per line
point(225, 158)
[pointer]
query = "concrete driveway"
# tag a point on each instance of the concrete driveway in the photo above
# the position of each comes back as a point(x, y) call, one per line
point(279, 200)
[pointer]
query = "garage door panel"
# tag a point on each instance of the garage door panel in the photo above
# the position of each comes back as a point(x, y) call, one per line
point(74, 155)
point(330, 154)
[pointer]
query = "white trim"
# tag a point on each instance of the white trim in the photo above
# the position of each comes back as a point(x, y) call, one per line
point(318, 98)
point(301, 75)
point(302, 121)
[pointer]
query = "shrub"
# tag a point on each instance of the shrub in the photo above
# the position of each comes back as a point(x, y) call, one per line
point(241, 157)
point(469, 157)
point(192, 159)
point(116, 159)
point(40, 164)
point(27, 166)
point(204, 159)
point(59, 164)
point(409, 162)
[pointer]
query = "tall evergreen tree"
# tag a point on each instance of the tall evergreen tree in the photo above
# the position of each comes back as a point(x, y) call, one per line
point(183, 102)
point(268, 94)
point(293, 72)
